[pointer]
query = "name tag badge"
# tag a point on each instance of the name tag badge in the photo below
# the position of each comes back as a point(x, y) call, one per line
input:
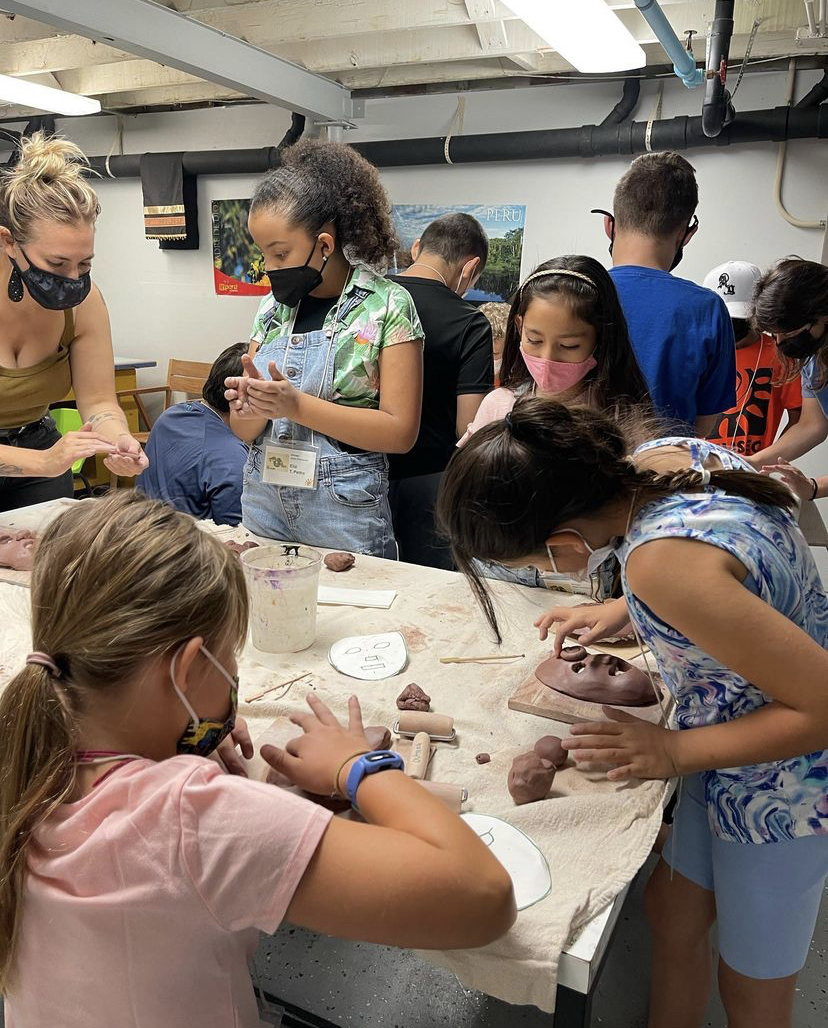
point(290, 463)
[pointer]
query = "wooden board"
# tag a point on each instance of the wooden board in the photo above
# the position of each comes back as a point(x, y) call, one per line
point(533, 697)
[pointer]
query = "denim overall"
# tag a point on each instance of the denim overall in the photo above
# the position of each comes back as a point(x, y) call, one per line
point(349, 509)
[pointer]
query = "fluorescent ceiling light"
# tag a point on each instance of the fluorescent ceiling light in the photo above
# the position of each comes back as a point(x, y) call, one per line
point(585, 32)
point(44, 98)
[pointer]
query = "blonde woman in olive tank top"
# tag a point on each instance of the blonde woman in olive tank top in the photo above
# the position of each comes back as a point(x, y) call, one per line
point(54, 329)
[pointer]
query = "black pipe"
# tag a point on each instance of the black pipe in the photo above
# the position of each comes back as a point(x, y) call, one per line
point(717, 110)
point(681, 133)
point(626, 105)
point(297, 127)
point(815, 96)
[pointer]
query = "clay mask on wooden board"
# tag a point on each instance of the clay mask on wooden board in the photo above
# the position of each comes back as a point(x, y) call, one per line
point(370, 657)
point(522, 859)
point(596, 678)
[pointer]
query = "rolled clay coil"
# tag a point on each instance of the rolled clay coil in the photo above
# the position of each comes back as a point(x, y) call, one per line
point(436, 725)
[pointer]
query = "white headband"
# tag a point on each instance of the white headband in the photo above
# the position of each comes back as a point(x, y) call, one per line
point(558, 271)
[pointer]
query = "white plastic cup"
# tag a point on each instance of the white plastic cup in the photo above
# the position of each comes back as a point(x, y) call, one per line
point(283, 584)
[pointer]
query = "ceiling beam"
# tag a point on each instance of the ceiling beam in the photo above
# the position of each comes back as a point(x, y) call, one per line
point(151, 31)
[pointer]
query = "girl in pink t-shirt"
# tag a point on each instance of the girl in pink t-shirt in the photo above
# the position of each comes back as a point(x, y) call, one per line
point(135, 874)
point(566, 339)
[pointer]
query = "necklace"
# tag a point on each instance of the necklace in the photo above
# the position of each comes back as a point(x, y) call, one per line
point(436, 272)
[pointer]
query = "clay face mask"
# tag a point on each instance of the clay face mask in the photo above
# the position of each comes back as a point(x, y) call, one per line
point(596, 678)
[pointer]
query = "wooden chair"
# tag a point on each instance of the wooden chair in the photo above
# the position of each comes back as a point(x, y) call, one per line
point(182, 377)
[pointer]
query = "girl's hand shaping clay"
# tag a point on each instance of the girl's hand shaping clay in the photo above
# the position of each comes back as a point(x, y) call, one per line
point(312, 760)
point(635, 748)
point(253, 396)
point(588, 623)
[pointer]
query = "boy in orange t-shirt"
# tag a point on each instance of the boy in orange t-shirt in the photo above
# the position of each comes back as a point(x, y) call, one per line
point(761, 394)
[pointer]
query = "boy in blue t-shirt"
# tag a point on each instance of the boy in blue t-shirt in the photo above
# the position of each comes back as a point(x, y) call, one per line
point(681, 333)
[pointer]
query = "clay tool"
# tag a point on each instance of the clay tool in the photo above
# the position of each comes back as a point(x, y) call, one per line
point(439, 727)
point(454, 796)
point(280, 685)
point(417, 764)
point(475, 660)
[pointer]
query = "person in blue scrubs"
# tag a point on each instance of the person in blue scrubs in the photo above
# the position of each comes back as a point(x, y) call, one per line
point(196, 460)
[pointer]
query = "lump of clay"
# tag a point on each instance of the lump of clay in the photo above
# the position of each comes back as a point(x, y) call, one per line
point(413, 698)
point(17, 549)
point(596, 678)
point(483, 758)
point(379, 737)
point(549, 747)
point(339, 561)
point(239, 548)
point(530, 778)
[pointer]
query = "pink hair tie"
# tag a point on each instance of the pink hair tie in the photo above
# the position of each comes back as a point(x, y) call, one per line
point(44, 660)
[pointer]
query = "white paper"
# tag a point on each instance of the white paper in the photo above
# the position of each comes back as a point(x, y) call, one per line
point(370, 657)
point(331, 596)
point(523, 860)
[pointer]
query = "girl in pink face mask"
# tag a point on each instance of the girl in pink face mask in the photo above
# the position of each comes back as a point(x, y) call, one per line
point(567, 339)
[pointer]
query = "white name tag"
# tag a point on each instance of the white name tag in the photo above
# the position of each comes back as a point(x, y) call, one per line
point(290, 463)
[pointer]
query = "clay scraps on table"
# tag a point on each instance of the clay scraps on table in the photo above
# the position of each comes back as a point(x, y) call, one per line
point(239, 548)
point(530, 778)
point(483, 758)
point(339, 561)
point(17, 549)
point(378, 736)
point(413, 698)
point(549, 747)
point(596, 678)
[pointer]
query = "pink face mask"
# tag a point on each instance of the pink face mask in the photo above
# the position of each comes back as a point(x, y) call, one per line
point(556, 376)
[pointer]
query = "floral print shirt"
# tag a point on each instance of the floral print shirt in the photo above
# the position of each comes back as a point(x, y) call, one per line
point(776, 800)
point(374, 313)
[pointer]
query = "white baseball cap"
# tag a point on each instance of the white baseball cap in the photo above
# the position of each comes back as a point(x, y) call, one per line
point(734, 281)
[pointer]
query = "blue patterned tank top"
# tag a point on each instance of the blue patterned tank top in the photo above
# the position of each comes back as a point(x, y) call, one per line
point(767, 802)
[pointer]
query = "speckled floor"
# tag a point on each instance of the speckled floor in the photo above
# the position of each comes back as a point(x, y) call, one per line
point(353, 984)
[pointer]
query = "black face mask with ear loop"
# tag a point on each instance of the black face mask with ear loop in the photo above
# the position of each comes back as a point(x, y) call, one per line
point(692, 225)
point(802, 346)
point(291, 285)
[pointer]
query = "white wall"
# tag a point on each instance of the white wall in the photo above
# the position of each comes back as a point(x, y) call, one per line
point(162, 303)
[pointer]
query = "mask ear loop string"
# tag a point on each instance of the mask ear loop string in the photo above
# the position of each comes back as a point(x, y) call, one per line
point(664, 720)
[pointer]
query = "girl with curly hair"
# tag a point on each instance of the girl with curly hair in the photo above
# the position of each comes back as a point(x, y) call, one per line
point(333, 379)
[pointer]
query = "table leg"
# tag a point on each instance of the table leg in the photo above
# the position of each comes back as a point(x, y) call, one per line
point(572, 1009)
point(295, 1017)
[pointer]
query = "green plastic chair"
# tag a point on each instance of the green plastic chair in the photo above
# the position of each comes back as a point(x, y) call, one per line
point(68, 419)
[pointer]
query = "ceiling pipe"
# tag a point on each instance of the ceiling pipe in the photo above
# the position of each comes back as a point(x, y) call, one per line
point(626, 105)
point(717, 110)
point(682, 133)
point(684, 64)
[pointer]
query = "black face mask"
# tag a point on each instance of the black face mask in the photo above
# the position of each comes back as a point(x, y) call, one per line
point(802, 346)
point(691, 227)
point(55, 292)
point(290, 285)
point(741, 328)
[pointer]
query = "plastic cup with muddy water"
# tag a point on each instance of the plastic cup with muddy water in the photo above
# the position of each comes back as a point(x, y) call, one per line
point(283, 582)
